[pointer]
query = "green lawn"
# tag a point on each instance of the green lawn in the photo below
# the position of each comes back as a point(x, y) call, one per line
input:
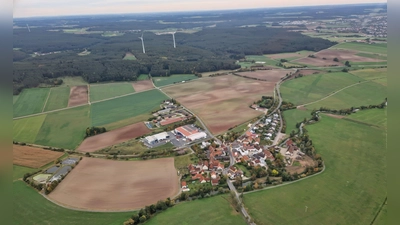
point(349, 191)
point(125, 107)
point(30, 101)
point(294, 116)
point(73, 81)
point(20, 171)
point(30, 207)
point(314, 87)
point(58, 98)
point(162, 81)
point(64, 129)
point(143, 77)
point(376, 117)
point(105, 91)
point(214, 210)
point(363, 47)
point(369, 93)
point(370, 73)
point(26, 129)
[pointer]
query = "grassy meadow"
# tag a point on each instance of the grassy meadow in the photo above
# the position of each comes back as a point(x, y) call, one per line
point(162, 81)
point(314, 87)
point(214, 210)
point(143, 77)
point(123, 108)
point(20, 171)
point(73, 81)
point(64, 129)
point(26, 129)
point(58, 98)
point(294, 116)
point(377, 117)
point(30, 101)
point(369, 74)
point(30, 207)
point(349, 191)
point(363, 47)
point(105, 91)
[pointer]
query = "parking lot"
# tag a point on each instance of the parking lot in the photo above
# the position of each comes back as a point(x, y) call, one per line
point(176, 140)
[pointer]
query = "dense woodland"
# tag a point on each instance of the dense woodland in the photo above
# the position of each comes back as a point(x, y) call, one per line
point(217, 46)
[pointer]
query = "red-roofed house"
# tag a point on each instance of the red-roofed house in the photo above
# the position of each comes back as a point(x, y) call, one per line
point(214, 182)
point(183, 185)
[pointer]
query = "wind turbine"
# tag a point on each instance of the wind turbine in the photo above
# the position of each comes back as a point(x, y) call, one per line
point(28, 28)
point(141, 38)
point(173, 37)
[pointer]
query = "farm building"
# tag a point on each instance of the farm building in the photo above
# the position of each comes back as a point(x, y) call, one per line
point(157, 137)
point(197, 136)
point(190, 132)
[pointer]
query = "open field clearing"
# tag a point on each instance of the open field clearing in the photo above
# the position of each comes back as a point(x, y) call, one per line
point(314, 87)
point(58, 98)
point(129, 56)
point(113, 137)
point(20, 171)
point(30, 208)
point(26, 129)
point(377, 117)
point(176, 78)
point(117, 185)
point(344, 55)
point(221, 102)
point(363, 47)
point(73, 81)
point(143, 85)
point(273, 75)
point(143, 77)
point(30, 101)
point(105, 91)
point(370, 73)
point(294, 116)
point(125, 107)
point(33, 157)
point(369, 93)
point(261, 59)
point(64, 129)
point(336, 196)
point(207, 211)
point(289, 56)
point(78, 95)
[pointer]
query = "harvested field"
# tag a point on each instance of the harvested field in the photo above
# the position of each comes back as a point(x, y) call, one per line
point(107, 185)
point(273, 75)
point(33, 157)
point(143, 85)
point(113, 137)
point(221, 102)
point(344, 55)
point(317, 62)
point(78, 95)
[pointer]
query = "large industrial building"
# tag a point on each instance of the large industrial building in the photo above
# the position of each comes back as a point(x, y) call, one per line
point(190, 132)
point(157, 137)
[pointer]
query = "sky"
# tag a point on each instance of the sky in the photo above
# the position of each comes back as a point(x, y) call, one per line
point(32, 8)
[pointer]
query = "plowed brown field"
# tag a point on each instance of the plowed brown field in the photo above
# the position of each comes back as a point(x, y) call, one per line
point(78, 95)
point(33, 157)
point(142, 85)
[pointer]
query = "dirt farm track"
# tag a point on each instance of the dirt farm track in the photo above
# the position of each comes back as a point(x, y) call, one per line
point(108, 185)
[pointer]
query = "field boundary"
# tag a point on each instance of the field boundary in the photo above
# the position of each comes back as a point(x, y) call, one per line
point(45, 103)
point(379, 211)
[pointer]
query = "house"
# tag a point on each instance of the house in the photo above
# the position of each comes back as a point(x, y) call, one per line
point(213, 175)
point(214, 182)
point(183, 185)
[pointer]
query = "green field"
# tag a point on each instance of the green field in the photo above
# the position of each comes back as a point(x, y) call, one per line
point(214, 210)
point(294, 116)
point(20, 171)
point(381, 81)
point(30, 101)
point(373, 56)
point(26, 129)
point(363, 47)
point(377, 117)
point(58, 98)
point(15, 98)
point(125, 107)
point(129, 56)
point(258, 58)
point(349, 191)
point(382, 217)
point(162, 81)
point(369, 93)
point(105, 91)
point(143, 77)
point(314, 87)
point(64, 129)
point(73, 81)
point(370, 73)
point(29, 207)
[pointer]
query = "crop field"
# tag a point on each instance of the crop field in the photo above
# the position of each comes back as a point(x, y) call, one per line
point(317, 62)
point(117, 185)
point(289, 56)
point(355, 96)
point(221, 102)
point(30, 101)
point(336, 196)
point(374, 56)
point(64, 129)
point(294, 116)
point(113, 137)
point(33, 157)
point(363, 47)
point(207, 211)
point(314, 87)
point(176, 78)
point(30, 208)
point(20, 171)
point(78, 95)
point(344, 55)
point(105, 91)
point(273, 75)
point(114, 110)
point(377, 117)
point(143, 77)
point(370, 73)
point(143, 85)
point(58, 98)
point(26, 129)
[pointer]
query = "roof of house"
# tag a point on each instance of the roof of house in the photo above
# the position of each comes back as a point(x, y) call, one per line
point(289, 142)
point(183, 183)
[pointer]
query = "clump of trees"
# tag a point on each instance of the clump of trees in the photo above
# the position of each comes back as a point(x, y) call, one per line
point(91, 131)
point(265, 102)
point(148, 212)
